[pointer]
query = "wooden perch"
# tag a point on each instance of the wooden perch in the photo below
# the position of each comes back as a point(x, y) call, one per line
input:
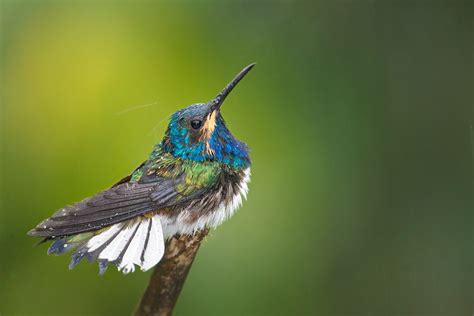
point(169, 275)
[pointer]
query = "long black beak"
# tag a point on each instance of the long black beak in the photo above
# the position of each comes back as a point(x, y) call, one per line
point(217, 101)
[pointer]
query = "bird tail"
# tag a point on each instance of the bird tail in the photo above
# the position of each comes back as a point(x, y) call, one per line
point(139, 241)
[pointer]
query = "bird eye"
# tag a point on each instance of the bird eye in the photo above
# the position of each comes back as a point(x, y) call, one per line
point(196, 124)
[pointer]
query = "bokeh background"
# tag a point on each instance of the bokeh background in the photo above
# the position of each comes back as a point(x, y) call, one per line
point(359, 116)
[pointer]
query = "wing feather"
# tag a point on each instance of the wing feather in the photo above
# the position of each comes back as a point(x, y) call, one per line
point(124, 201)
point(114, 205)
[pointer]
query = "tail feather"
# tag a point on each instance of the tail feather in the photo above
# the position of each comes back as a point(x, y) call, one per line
point(65, 244)
point(58, 247)
point(77, 257)
point(154, 250)
point(103, 265)
point(103, 238)
point(113, 251)
point(132, 254)
point(136, 242)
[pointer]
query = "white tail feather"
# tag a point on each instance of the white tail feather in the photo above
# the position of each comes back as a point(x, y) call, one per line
point(97, 241)
point(134, 251)
point(141, 243)
point(155, 247)
point(115, 248)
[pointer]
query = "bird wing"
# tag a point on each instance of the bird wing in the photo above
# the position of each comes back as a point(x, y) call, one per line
point(127, 200)
point(129, 177)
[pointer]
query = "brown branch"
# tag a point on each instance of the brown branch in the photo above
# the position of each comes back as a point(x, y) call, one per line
point(169, 276)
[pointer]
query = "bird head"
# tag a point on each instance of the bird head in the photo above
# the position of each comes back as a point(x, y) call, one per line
point(198, 132)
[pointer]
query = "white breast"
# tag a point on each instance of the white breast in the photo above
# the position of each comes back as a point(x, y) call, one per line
point(183, 225)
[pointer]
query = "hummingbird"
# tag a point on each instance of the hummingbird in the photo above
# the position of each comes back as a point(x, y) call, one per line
point(195, 178)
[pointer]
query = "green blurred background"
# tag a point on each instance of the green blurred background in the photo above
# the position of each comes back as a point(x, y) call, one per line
point(358, 114)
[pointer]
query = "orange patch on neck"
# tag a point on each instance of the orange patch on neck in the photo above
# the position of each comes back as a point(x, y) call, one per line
point(207, 130)
point(209, 126)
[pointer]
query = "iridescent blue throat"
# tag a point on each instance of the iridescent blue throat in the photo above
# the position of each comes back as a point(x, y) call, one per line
point(223, 145)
